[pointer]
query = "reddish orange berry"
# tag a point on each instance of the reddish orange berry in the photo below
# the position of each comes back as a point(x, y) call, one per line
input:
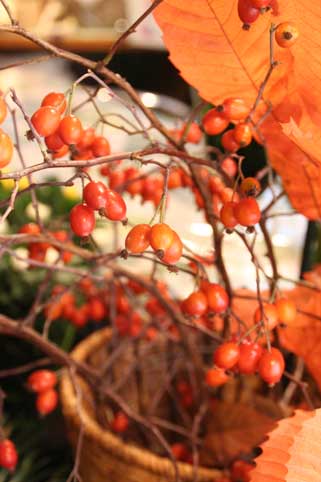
point(47, 401)
point(115, 208)
point(100, 147)
point(269, 316)
point(243, 134)
point(8, 455)
point(250, 355)
point(247, 212)
point(120, 423)
point(41, 380)
point(228, 141)
point(227, 215)
point(3, 109)
point(250, 186)
point(161, 236)
point(217, 297)
point(6, 149)
point(174, 252)
point(286, 34)
point(196, 304)
point(214, 122)
point(95, 195)
point(82, 220)
point(56, 100)
point(138, 238)
point(287, 310)
point(271, 366)
point(235, 109)
point(70, 130)
point(227, 355)
point(46, 121)
point(215, 377)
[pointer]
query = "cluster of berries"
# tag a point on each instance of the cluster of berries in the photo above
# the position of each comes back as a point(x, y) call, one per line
point(42, 383)
point(162, 238)
point(97, 197)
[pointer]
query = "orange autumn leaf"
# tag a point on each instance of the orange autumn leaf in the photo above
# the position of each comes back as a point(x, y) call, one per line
point(307, 328)
point(233, 429)
point(292, 452)
point(216, 56)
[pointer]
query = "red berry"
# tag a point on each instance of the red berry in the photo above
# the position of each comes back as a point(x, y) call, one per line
point(271, 366)
point(8, 455)
point(247, 212)
point(229, 166)
point(260, 3)
point(115, 208)
point(235, 109)
point(240, 471)
point(54, 142)
point(250, 354)
point(228, 141)
point(174, 252)
point(86, 140)
point(137, 240)
point(215, 377)
point(243, 134)
point(95, 195)
point(79, 316)
point(269, 316)
point(214, 122)
point(161, 236)
point(287, 311)
point(56, 100)
point(180, 451)
point(217, 298)
point(116, 179)
point(41, 380)
point(82, 220)
point(6, 149)
point(227, 355)
point(194, 133)
point(120, 423)
point(46, 121)
point(30, 228)
point(96, 309)
point(247, 13)
point(100, 147)
point(196, 304)
point(227, 215)
point(47, 401)
point(175, 179)
point(70, 130)
point(61, 152)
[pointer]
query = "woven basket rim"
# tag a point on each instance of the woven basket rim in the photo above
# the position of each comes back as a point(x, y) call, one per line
point(106, 439)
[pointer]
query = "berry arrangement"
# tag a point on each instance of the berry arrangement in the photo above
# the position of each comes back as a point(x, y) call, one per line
point(172, 357)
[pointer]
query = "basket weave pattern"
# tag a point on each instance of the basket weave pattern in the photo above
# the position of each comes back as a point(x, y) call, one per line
point(104, 457)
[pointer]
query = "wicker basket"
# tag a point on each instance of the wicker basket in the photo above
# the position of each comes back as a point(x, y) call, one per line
point(104, 457)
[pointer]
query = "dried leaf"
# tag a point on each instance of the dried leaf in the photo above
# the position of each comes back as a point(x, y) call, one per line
point(293, 451)
point(215, 55)
point(233, 430)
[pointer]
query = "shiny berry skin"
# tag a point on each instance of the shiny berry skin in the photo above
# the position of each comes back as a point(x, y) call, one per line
point(269, 316)
point(247, 212)
point(228, 141)
point(214, 122)
point(46, 121)
point(227, 355)
point(47, 401)
point(271, 366)
point(41, 380)
point(70, 130)
point(174, 252)
point(243, 134)
point(87, 138)
point(287, 311)
point(286, 34)
point(227, 215)
point(54, 142)
point(100, 147)
point(250, 355)
point(194, 133)
point(215, 377)
point(250, 186)
point(8, 455)
point(247, 13)
point(161, 236)
point(217, 298)
point(6, 149)
point(137, 240)
point(196, 304)
point(3, 109)
point(115, 208)
point(120, 423)
point(56, 100)
point(95, 195)
point(61, 152)
point(260, 3)
point(235, 109)
point(82, 220)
